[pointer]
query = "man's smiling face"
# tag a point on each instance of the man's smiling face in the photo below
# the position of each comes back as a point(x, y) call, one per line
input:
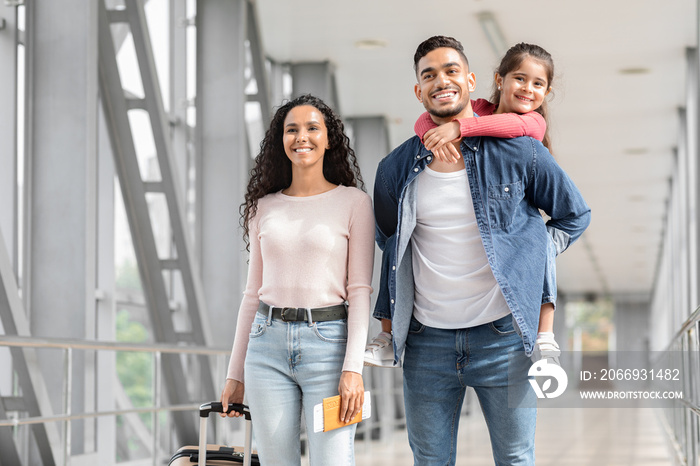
point(444, 84)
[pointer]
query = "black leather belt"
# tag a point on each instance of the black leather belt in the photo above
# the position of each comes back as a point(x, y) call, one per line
point(298, 314)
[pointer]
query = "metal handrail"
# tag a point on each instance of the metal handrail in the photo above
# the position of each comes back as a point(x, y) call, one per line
point(688, 404)
point(691, 406)
point(690, 321)
point(157, 349)
point(74, 417)
point(68, 345)
point(65, 343)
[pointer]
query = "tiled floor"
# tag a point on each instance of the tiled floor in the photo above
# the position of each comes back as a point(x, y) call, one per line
point(565, 437)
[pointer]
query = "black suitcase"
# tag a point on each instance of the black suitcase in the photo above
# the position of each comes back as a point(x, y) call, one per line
point(217, 455)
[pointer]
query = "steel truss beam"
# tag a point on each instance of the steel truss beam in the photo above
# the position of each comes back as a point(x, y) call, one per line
point(35, 395)
point(134, 190)
point(258, 58)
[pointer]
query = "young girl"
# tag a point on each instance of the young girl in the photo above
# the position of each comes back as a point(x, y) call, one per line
point(522, 81)
point(302, 323)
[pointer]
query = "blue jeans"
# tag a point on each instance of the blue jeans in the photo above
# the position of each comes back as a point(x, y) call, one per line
point(289, 368)
point(438, 366)
point(549, 289)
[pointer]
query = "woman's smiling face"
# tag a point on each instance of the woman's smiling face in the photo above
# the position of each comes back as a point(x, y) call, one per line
point(305, 137)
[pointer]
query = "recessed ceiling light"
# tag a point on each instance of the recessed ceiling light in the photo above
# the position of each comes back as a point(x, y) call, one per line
point(370, 44)
point(636, 151)
point(635, 71)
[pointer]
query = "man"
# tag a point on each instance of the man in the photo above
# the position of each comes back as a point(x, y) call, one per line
point(463, 267)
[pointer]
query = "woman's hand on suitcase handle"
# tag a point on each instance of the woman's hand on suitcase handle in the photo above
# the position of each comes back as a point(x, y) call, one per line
point(352, 395)
point(232, 393)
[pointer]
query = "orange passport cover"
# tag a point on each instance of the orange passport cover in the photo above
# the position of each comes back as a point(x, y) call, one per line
point(331, 414)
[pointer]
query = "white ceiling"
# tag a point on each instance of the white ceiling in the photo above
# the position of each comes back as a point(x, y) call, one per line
point(614, 133)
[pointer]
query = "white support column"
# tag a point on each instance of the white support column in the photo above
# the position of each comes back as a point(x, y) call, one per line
point(177, 114)
point(693, 173)
point(257, 63)
point(370, 141)
point(280, 84)
point(223, 159)
point(317, 79)
point(8, 156)
point(177, 99)
point(681, 218)
point(62, 133)
point(106, 306)
point(632, 331)
point(8, 124)
point(680, 308)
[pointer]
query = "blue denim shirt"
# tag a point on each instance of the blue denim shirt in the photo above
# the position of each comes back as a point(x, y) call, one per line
point(509, 180)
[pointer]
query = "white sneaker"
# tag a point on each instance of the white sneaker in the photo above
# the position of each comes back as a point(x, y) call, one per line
point(546, 348)
point(380, 351)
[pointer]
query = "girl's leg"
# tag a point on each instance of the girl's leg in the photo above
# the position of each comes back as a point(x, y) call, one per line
point(386, 325)
point(546, 318)
point(545, 345)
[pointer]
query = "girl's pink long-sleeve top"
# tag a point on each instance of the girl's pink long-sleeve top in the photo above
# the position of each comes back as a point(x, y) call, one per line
point(501, 125)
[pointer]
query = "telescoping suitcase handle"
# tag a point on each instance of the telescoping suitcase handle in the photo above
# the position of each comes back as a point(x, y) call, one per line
point(218, 407)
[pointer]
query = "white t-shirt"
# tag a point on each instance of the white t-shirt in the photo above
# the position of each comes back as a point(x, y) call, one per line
point(454, 284)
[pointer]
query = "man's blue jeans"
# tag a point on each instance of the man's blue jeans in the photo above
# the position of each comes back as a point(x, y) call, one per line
point(438, 366)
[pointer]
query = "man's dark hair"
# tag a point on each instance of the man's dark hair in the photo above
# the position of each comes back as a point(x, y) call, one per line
point(437, 42)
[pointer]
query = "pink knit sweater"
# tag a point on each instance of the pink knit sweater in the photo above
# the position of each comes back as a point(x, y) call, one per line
point(310, 252)
point(502, 125)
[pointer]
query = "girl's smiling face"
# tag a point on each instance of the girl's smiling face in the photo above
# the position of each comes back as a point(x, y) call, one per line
point(523, 89)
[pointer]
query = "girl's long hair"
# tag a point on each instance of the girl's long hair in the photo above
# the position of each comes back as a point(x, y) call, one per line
point(512, 60)
point(273, 169)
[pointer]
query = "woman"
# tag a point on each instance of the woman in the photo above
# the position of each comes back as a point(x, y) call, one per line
point(302, 323)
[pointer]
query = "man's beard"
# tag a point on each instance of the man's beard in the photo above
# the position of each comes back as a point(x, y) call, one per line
point(447, 113)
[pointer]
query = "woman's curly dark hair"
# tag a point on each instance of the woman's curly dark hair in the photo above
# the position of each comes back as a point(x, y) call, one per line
point(273, 169)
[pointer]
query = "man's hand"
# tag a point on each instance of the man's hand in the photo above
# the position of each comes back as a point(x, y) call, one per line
point(232, 393)
point(439, 142)
point(352, 395)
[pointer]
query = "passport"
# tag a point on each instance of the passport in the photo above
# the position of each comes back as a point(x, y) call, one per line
point(327, 414)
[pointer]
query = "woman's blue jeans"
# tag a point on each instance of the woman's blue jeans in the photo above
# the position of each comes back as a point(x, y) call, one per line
point(289, 368)
point(438, 366)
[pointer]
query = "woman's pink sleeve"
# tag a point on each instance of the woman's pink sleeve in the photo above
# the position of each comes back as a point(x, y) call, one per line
point(359, 285)
point(248, 308)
